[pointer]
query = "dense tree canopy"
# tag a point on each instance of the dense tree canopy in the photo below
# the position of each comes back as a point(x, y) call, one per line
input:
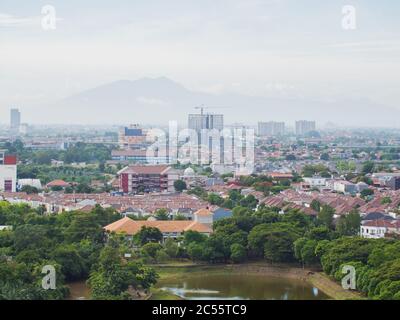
point(74, 243)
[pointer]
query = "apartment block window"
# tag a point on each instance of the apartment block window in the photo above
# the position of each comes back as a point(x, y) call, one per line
point(8, 185)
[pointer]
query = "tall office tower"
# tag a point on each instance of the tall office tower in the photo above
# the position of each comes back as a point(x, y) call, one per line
point(15, 120)
point(304, 126)
point(271, 128)
point(198, 122)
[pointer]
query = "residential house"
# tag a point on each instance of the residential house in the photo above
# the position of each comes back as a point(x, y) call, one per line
point(169, 229)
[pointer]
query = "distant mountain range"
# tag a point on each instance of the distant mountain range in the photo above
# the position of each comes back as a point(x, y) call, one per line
point(158, 100)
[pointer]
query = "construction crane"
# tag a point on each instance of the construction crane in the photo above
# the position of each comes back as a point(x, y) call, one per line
point(202, 107)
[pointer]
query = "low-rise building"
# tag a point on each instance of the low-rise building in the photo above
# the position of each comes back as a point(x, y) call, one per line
point(387, 179)
point(8, 172)
point(132, 137)
point(57, 184)
point(345, 187)
point(204, 216)
point(169, 229)
point(139, 179)
point(280, 175)
point(35, 183)
point(376, 229)
point(138, 156)
point(315, 181)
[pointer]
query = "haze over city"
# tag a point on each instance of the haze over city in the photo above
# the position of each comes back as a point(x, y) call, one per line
point(275, 60)
point(232, 152)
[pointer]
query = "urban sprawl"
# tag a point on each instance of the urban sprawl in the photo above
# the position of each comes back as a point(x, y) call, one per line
point(311, 183)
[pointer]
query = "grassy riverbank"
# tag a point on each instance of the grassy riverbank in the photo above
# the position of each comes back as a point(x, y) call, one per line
point(286, 271)
point(332, 288)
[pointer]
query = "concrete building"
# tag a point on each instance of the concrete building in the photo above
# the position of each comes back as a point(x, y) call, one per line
point(155, 178)
point(198, 122)
point(345, 187)
point(388, 180)
point(304, 126)
point(15, 120)
point(138, 156)
point(271, 128)
point(315, 181)
point(204, 216)
point(35, 183)
point(132, 137)
point(8, 172)
point(376, 229)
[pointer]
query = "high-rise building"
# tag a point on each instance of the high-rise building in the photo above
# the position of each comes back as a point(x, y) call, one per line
point(304, 126)
point(15, 120)
point(8, 172)
point(198, 122)
point(271, 128)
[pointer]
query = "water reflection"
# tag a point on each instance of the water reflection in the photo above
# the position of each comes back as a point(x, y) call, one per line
point(240, 287)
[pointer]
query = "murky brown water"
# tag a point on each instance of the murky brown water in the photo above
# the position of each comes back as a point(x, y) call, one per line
point(199, 286)
point(78, 291)
point(240, 287)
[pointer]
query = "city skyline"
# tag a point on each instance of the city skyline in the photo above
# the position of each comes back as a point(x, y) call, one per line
point(270, 49)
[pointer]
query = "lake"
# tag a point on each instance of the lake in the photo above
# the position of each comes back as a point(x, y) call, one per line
point(239, 287)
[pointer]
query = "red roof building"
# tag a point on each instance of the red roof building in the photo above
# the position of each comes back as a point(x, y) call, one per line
point(58, 183)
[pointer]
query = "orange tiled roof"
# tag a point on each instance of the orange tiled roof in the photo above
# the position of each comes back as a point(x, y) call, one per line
point(159, 169)
point(131, 227)
point(203, 212)
point(58, 183)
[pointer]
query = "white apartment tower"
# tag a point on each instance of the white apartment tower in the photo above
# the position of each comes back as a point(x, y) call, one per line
point(271, 128)
point(304, 126)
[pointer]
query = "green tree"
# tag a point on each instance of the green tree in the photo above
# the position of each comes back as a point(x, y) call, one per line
point(325, 156)
point(366, 192)
point(72, 264)
point(325, 216)
point(149, 234)
point(368, 167)
point(315, 205)
point(112, 277)
point(84, 226)
point(161, 214)
point(386, 200)
point(193, 236)
point(349, 225)
point(151, 249)
point(29, 189)
point(196, 251)
point(238, 253)
point(215, 199)
point(171, 248)
point(180, 185)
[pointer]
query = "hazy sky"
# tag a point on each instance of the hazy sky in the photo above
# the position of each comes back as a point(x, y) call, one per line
point(260, 47)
